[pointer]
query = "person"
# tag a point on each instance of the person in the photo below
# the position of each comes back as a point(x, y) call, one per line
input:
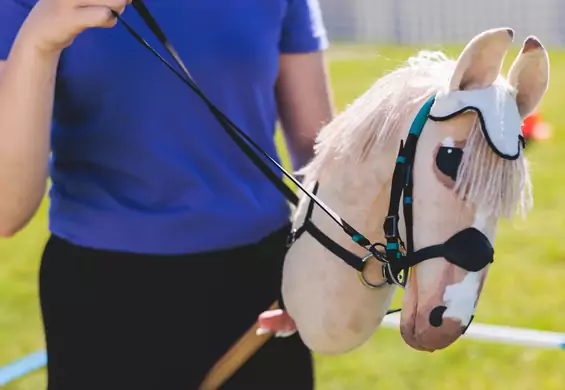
point(165, 242)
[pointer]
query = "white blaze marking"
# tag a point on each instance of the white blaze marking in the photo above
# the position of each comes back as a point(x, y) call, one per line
point(448, 142)
point(460, 298)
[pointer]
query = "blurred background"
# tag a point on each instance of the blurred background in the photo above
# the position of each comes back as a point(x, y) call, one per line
point(526, 285)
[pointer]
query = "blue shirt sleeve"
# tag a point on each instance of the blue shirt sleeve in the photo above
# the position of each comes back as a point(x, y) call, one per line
point(303, 28)
point(12, 15)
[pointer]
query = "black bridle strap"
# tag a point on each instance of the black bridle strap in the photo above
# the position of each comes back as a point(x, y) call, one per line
point(230, 128)
point(307, 218)
point(323, 239)
point(417, 257)
point(233, 130)
point(348, 257)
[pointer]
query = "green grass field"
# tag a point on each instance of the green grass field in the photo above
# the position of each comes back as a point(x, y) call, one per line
point(524, 288)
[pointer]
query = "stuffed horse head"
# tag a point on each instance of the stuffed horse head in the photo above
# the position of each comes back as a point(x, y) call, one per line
point(467, 171)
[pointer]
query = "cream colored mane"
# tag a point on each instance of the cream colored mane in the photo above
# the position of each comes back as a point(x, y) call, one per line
point(370, 127)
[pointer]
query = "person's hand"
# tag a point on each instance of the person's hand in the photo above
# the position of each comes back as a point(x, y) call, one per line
point(276, 321)
point(52, 25)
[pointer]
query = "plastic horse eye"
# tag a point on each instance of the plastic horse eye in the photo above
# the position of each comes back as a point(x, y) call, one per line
point(448, 160)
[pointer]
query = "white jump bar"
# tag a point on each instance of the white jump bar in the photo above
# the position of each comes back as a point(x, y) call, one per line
point(501, 334)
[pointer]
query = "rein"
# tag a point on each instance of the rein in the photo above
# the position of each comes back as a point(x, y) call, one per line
point(231, 129)
point(254, 153)
point(469, 249)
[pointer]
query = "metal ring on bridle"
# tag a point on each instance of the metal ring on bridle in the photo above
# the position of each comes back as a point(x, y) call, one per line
point(362, 277)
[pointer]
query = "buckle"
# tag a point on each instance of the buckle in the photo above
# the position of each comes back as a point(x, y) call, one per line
point(390, 227)
point(400, 279)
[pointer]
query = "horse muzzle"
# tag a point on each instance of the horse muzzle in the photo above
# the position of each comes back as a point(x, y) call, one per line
point(436, 315)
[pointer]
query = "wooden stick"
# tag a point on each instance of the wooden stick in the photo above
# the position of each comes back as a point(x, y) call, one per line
point(237, 355)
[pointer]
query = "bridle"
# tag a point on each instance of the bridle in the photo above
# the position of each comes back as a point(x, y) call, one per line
point(396, 257)
point(469, 249)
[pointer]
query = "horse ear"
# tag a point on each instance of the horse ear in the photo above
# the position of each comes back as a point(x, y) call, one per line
point(529, 75)
point(480, 62)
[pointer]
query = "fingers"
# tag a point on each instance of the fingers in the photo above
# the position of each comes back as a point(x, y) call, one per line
point(100, 15)
point(117, 5)
point(276, 321)
point(94, 16)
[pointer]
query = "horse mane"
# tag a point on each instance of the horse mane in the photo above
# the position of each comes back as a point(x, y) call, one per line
point(364, 131)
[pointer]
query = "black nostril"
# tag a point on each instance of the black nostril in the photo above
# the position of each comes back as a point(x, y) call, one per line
point(436, 316)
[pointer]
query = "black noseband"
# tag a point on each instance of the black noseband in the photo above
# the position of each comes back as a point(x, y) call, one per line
point(469, 249)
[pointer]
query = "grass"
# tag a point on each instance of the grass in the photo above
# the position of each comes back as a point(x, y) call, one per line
point(523, 289)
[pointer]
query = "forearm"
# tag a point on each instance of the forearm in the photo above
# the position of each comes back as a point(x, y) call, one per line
point(301, 126)
point(300, 152)
point(301, 136)
point(304, 103)
point(27, 81)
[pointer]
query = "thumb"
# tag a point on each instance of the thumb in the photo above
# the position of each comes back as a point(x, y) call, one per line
point(94, 16)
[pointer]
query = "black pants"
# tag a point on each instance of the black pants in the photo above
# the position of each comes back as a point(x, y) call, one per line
point(121, 321)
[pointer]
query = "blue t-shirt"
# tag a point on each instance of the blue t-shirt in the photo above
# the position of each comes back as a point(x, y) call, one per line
point(139, 164)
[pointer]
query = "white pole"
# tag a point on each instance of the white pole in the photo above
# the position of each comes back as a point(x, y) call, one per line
point(501, 334)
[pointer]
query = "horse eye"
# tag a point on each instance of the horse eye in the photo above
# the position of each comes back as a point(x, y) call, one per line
point(448, 159)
